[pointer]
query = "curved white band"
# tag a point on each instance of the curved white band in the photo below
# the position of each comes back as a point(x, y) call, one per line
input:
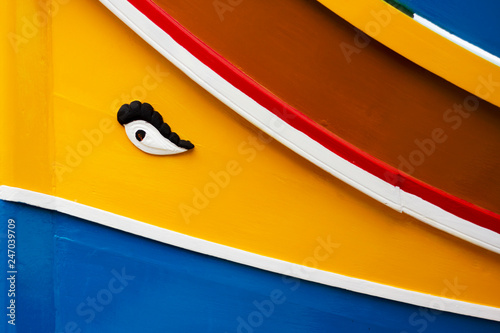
point(297, 141)
point(243, 257)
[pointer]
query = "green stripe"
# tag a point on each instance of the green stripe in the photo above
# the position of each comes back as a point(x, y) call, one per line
point(400, 7)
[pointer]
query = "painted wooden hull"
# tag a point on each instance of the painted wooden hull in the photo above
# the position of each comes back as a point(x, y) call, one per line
point(419, 174)
point(241, 205)
point(475, 24)
point(108, 281)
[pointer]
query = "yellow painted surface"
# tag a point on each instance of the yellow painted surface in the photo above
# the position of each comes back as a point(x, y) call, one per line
point(26, 96)
point(419, 44)
point(266, 199)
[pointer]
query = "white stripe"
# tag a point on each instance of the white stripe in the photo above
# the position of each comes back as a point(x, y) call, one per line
point(297, 141)
point(457, 40)
point(243, 257)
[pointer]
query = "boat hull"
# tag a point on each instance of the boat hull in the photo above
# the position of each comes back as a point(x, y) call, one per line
point(106, 281)
point(240, 203)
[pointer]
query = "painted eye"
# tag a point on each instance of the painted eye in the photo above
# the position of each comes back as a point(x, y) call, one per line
point(147, 131)
point(149, 139)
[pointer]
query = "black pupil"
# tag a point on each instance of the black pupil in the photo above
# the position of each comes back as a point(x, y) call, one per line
point(140, 135)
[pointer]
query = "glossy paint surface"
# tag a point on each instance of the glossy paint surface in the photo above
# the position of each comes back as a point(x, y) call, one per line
point(275, 204)
point(428, 49)
point(108, 280)
point(476, 22)
point(369, 96)
point(216, 75)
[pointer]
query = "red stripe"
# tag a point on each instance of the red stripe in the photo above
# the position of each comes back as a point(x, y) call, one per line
point(461, 208)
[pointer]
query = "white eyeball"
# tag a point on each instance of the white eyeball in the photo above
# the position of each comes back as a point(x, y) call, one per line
point(148, 139)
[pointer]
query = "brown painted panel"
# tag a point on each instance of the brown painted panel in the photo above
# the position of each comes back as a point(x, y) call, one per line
point(374, 98)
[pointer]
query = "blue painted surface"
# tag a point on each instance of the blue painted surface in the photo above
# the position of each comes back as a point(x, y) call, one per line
point(477, 22)
point(34, 256)
point(76, 276)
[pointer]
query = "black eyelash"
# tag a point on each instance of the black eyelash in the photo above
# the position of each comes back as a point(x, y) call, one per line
point(144, 111)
